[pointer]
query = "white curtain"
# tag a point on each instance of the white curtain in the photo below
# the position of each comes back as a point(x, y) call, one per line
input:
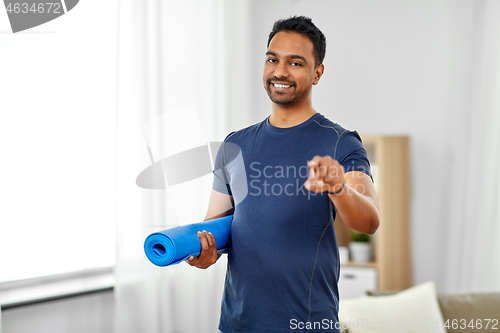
point(470, 236)
point(172, 55)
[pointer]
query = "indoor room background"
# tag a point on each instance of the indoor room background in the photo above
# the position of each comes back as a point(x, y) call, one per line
point(73, 144)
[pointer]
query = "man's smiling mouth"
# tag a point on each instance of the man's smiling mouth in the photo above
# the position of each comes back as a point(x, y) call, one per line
point(277, 85)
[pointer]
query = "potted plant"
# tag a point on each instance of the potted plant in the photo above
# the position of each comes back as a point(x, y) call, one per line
point(360, 247)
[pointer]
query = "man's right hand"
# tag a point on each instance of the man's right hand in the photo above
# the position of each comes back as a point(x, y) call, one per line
point(220, 205)
point(208, 255)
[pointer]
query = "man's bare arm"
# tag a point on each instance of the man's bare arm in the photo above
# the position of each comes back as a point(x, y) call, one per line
point(357, 203)
point(355, 198)
point(220, 205)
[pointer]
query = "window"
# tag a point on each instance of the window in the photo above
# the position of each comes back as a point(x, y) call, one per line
point(57, 139)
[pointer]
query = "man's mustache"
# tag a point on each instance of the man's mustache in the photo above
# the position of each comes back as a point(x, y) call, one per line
point(281, 81)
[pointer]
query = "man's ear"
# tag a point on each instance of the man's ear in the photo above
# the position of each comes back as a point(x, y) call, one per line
point(318, 72)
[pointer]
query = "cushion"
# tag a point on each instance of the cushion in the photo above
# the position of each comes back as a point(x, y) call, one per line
point(478, 307)
point(382, 292)
point(459, 309)
point(415, 309)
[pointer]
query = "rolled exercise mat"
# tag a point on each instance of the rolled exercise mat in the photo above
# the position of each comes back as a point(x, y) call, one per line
point(171, 246)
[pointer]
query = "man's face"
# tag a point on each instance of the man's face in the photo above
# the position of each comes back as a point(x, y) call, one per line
point(289, 72)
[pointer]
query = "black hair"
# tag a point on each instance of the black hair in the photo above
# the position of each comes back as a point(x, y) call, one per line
point(304, 26)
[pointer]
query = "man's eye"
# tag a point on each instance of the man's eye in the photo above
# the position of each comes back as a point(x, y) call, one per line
point(272, 61)
point(296, 64)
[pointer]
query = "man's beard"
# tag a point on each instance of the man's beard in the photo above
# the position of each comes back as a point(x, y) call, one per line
point(287, 101)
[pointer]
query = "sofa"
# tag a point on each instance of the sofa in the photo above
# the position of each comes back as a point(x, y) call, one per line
point(421, 309)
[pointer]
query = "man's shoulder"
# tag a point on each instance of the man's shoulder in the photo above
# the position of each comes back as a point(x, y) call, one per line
point(244, 132)
point(325, 123)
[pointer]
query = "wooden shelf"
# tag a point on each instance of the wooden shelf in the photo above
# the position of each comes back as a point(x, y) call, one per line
point(390, 160)
point(370, 264)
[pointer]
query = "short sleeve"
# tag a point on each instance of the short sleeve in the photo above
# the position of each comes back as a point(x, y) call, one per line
point(222, 179)
point(351, 154)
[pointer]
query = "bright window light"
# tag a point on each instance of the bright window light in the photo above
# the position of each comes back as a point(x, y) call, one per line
point(57, 141)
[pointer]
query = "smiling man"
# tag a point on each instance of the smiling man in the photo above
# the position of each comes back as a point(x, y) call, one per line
point(298, 170)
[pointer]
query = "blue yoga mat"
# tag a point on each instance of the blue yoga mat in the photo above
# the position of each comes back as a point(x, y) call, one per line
point(171, 246)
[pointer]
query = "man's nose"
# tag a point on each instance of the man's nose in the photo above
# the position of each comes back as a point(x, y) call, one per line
point(281, 70)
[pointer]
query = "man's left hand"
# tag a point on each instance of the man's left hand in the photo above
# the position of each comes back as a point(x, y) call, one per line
point(325, 175)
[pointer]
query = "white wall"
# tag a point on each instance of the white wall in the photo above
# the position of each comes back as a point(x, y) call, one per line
point(388, 70)
point(92, 313)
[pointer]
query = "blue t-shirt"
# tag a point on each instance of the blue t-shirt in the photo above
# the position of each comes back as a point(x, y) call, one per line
point(283, 260)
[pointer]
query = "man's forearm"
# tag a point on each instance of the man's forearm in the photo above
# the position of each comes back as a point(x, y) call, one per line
point(357, 210)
